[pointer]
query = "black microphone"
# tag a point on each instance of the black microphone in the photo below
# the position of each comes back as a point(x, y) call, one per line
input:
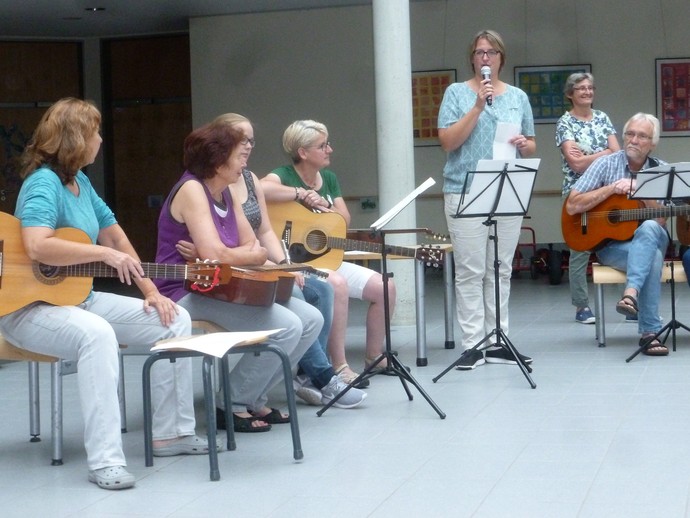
point(486, 74)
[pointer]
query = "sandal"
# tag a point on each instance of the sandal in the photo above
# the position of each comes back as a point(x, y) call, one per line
point(627, 306)
point(652, 346)
point(275, 416)
point(245, 424)
point(347, 376)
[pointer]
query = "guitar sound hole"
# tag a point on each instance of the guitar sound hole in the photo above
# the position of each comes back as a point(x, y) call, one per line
point(316, 240)
point(48, 271)
point(47, 274)
point(614, 217)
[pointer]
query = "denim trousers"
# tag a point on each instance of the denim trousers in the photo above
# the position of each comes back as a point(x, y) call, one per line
point(642, 259)
point(315, 363)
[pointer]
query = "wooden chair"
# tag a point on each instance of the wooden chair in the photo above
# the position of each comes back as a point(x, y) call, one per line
point(12, 353)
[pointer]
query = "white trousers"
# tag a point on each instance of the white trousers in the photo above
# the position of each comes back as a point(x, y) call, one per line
point(473, 251)
point(90, 334)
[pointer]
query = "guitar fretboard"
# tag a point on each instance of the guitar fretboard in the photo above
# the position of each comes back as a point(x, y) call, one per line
point(368, 246)
point(649, 213)
point(151, 270)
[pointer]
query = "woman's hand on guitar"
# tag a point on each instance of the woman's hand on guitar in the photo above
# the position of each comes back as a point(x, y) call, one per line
point(315, 201)
point(127, 267)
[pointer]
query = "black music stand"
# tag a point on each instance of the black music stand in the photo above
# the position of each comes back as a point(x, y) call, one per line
point(666, 182)
point(394, 366)
point(499, 188)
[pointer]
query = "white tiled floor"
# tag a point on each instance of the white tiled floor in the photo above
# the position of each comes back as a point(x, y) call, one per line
point(597, 437)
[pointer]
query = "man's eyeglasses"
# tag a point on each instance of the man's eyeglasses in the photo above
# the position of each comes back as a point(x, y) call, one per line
point(491, 53)
point(250, 141)
point(583, 88)
point(642, 137)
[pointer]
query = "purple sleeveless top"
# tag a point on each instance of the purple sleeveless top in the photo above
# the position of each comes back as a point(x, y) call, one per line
point(171, 231)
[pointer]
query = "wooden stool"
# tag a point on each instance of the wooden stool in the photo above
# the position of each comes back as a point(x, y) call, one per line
point(602, 275)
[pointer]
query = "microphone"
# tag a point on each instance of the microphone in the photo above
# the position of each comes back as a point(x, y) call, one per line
point(486, 74)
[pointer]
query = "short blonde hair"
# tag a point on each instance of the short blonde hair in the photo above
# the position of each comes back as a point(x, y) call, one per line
point(301, 134)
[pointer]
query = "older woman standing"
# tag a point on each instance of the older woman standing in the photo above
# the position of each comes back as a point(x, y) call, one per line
point(583, 135)
point(467, 123)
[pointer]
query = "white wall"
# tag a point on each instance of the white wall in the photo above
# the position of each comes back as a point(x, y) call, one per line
point(280, 66)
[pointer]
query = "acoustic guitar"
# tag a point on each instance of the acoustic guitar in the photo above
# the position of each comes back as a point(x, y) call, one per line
point(614, 219)
point(23, 281)
point(320, 239)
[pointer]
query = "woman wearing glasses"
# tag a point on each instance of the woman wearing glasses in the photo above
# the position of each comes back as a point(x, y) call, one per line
point(467, 122)
point(309, 181)
point(583, 135)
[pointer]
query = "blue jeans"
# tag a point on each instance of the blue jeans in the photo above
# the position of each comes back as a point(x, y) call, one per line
point(642, 259)
point(315, 362)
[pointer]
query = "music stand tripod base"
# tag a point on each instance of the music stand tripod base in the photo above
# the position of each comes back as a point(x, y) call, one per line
point(393, 367)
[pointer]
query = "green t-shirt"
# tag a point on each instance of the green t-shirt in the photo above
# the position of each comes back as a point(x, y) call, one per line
point(330, 188)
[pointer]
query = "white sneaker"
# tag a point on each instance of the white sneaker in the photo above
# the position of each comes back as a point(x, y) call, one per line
point(350, 399)
point(306, 391)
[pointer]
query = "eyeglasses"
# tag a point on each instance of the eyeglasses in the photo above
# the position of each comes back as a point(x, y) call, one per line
point(642, 137)
point(584, 88)
point(479, 53)
point(323, 146)
point(250, 141)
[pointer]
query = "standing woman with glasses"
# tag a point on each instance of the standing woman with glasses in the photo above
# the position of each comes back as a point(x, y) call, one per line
point(583, 135)
point(467, 121)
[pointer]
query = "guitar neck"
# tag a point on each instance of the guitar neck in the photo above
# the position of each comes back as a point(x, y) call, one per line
point(368, 246)
point(151, 270)
point(652, 213)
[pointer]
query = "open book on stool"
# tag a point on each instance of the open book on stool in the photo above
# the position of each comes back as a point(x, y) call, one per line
point(214, 344)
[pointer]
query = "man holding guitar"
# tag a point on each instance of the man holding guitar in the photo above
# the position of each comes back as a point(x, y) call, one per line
point(641, 254)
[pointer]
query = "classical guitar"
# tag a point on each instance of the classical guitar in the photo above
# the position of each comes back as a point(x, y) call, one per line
point(23, 281)
point(614, 219)
point(320, 239)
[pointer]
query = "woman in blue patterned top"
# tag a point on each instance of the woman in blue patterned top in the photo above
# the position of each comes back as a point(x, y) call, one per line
point(583, 135)
point(467, 122)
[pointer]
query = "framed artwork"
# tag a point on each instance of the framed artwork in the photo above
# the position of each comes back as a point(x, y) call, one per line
point(673, 96)
point(544, 87)
point(427, 93)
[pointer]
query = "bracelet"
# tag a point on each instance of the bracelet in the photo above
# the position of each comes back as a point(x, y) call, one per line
point(296, 194)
